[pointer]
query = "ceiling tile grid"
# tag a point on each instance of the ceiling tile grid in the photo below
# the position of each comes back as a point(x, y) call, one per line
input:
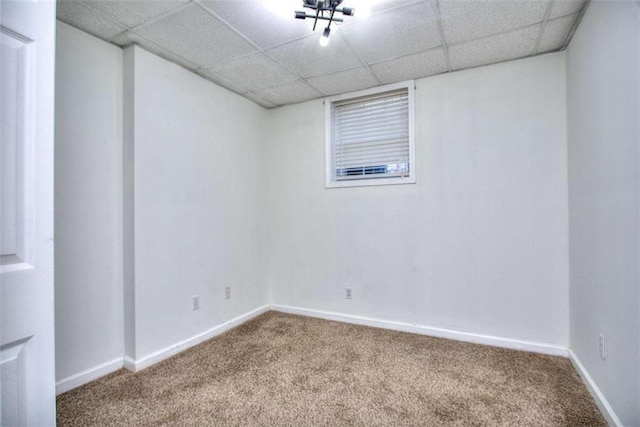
point(256, 71)
point(79, 15)
point(237, 87)
point(344, 81)
point(257, 49)
point(555, 33)
point(258, 99)
point(260, 23)
point(403, 31)
point(473, 19)
point(566, 7)
point(289, 94)
point(307, 58)
point(423, 64)
point(491, 50)
point(132, 13)
point(197, 36)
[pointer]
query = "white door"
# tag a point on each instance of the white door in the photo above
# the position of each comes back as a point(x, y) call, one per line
point(27, 372)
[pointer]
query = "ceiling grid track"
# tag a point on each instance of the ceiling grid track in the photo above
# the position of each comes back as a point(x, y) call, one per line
point(162, 16)
point(229, 26)
point(445, 47)
point(547, 13)
point(576, 23)
point(363, 62)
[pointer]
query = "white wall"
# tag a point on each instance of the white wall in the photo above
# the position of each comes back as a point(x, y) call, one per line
point(603, 75)
point(88, 202)
point(479, 244)
point(196, 202)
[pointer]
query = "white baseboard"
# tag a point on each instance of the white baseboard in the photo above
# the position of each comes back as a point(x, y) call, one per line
point(155, 357)
point(129, 364)
point(89, 375)
point(428, 330)
point(94, 373)
point(599, 398)
point(126, 362)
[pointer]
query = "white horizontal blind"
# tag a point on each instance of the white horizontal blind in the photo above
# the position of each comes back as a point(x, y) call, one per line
point(371, 136)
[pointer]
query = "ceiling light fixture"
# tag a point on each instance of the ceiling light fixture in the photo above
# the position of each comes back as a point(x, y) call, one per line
point(322, 6)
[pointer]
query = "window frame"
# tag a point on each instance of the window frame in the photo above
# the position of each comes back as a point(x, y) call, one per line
point(330, 178)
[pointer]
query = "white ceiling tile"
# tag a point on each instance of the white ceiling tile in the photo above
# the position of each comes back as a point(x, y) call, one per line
point(255, 71)
point(75, 13)
point(566, 7)
point(344, 81)
point(196, 36)
point(399, 32)
point(289, 94)
point(258, 99)
point(503, 47)
point(556, 33)
point(132, 13)
point(129, 38)
point(221, 81)
point(265, 22)
point(423, 64)
point(473, 19)
point(307, 58)
point(365, 8)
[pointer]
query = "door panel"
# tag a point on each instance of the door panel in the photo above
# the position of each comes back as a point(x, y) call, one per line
point(16, 165)
point(27, 373)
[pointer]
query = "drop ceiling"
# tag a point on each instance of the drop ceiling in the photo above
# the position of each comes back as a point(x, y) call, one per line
point(257, 49)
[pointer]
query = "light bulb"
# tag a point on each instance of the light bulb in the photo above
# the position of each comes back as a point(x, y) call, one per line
point(324, 40)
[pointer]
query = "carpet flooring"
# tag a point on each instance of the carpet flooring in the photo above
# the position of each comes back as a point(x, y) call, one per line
point(285, 370)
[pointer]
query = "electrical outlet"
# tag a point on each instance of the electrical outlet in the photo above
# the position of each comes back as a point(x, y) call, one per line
point(347, 293)
point(603, 347)
point(227, 292)
point(195, 302)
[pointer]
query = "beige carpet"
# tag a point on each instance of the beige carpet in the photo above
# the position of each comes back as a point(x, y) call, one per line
point(280, 369)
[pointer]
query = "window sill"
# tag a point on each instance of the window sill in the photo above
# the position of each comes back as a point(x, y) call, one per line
point(370, 182)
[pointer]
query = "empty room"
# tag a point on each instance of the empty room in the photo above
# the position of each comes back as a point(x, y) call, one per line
point(308, 212)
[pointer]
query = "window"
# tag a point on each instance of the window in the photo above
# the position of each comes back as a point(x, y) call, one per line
point(369, 137)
